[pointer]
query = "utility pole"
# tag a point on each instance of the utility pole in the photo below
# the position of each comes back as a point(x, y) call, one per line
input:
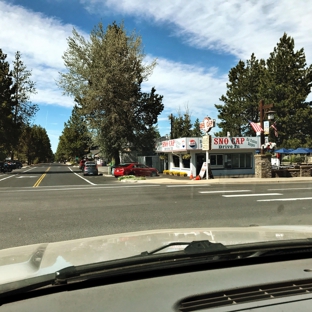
point(264, 109)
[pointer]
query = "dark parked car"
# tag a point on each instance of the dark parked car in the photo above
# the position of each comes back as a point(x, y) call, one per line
point(135, 169)
point(5, 167)
point(90, 168)
point(16, 164)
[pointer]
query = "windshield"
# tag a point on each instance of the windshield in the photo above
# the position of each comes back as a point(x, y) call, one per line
point(206, 108)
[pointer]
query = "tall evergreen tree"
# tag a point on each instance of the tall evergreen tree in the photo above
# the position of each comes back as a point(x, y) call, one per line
point(6, 104)
point(181, 125)
point(196, 132)
point(241, 101)
point(75, 138)
point(286, 84)
point(105, 76)
point(34, 145)
point(24, 109)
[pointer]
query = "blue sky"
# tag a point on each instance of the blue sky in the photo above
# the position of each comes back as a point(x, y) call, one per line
point(195, 43)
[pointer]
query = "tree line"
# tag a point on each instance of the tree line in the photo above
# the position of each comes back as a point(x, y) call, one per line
point(284, 80)
point(18, 138)
point(105, 73)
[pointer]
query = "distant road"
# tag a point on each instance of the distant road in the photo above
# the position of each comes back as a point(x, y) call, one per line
point(53, 202)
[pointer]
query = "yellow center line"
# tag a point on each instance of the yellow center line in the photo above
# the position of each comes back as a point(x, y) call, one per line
point(41, 178)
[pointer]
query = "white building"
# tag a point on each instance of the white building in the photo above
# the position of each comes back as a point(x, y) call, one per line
point(229, 156)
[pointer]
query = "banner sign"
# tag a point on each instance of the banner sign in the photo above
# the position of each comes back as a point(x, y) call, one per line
point(203, 170)
point(235, 143)
point(217, 143)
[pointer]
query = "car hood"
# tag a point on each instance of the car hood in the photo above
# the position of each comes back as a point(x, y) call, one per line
point(25, 262)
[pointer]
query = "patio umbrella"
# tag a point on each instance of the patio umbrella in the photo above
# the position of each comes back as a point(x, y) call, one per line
point(301, 150)
point(283, 151)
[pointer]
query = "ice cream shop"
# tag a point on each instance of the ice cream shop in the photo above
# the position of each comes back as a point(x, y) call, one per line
point(227, 156)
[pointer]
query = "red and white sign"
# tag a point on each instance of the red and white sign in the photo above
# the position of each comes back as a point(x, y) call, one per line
point(235, 142)
point(207, 124)
point(203, 170)
point(192, 143)
point(217, 143)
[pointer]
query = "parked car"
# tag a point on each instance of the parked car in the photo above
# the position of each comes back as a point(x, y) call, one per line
point(135, 169)
point(14, 164)
point(90, 168)
point(5, 167)
point(81, 164)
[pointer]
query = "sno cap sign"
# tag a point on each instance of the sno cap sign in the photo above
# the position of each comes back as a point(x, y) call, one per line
point(207, 124)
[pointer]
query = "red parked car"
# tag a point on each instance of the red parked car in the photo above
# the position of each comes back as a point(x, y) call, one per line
point(81, 164)
point(135, 169)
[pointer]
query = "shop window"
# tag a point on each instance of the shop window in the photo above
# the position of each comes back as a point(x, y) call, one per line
point(216, 160)
point(186, 163)
point(249, 158)
point(238, 160)
point(176, 161)
point(235, 160)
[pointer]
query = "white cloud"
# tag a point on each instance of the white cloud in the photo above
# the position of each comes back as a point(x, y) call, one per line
point(41, 42)
point(238, 27)
point(187, 86)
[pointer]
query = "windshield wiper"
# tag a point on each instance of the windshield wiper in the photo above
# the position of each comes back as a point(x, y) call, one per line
point(193, 252)
point(113, 267)
point(192, 249)
point(195, 256)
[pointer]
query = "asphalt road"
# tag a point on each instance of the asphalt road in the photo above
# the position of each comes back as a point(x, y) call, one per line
point(53, 202)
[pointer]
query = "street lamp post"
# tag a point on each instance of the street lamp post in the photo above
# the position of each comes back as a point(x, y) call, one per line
point(264, 109)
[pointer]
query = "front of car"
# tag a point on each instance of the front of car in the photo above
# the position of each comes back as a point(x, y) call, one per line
point(36, 270)
point(123, 169)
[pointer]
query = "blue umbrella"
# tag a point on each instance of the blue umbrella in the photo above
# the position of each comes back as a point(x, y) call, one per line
point(300, 150)
point(283, 151)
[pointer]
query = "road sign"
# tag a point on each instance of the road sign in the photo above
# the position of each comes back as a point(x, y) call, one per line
point(206, 143)
point(207, 124)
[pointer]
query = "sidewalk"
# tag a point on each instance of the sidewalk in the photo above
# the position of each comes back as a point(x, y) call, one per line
point(165, 179)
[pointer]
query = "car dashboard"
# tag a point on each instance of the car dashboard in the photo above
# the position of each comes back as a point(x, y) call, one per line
point(274, 286)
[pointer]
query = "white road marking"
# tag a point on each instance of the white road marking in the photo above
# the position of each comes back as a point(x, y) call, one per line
point(234, 191)
point(246, 195)
point(29, 169)
point(11, 176)
point(285, 199)
point(87, 188)
point(188, 185)
point(81, 176)
point(291, 188)
point(8, 177)
point(22, 177)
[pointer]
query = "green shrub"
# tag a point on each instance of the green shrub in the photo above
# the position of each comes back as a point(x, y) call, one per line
point(131, 177)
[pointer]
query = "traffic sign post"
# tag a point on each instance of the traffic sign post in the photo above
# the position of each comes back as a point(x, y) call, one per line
point(206, 126)
point(206, 146)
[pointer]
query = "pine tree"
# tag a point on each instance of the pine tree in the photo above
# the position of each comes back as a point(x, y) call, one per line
point(105, 76)
point(6, 104)
point(286, 84)
point(23, 110)
point(241, 101)
point(196, 132)
point(75, 138)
